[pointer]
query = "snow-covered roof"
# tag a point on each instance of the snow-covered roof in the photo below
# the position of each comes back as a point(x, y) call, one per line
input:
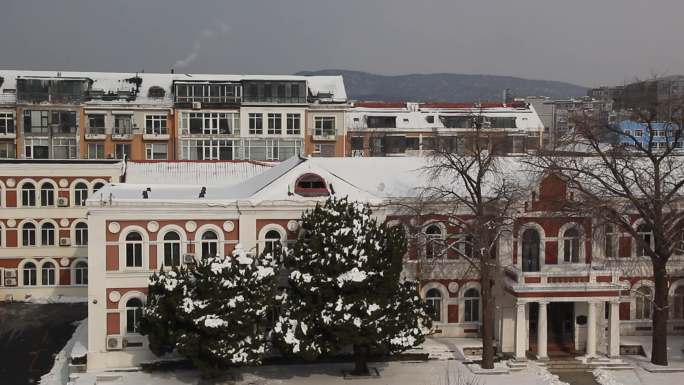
point(412, 116)
point(372, 180)
point(115, 81)
point(201, 173)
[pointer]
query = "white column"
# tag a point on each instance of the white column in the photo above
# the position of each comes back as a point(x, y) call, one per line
point(591, 329)
point(542, 337)
point(520, 331)
point(614, 330)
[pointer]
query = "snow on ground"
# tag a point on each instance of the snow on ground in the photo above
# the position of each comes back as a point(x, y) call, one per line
point(54, 299)
point(75, 347)
point(395, 373)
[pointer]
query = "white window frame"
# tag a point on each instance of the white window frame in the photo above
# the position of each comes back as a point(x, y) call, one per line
point(5, 119)
point(274, 119)
point(320, 130)
point(290, 126)
point(96, 150)
point(151, 150)
point(155, 124)
point(254, 118)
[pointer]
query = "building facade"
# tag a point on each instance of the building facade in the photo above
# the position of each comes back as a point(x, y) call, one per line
point(43, 225)
point(566, 283)
point(412, 129)
point(140, 116)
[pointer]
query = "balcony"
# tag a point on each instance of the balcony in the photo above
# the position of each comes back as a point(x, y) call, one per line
point(563, 280)
point(121, 134)
point(157, 134)
point(327, 135)
point(95, 133)
point(8, 134)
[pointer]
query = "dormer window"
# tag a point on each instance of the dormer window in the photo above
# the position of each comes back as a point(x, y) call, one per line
point(311, 185)
point(156, 92)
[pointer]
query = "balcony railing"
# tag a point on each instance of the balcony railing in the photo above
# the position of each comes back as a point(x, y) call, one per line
point(562, 274)
point(95, 131)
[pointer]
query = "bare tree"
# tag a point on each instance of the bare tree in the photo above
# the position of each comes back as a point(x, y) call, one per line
point(472, 191)
point(624, 174)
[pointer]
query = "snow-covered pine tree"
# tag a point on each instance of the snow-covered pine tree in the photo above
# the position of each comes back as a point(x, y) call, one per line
point(212, 312)
point(345, 287)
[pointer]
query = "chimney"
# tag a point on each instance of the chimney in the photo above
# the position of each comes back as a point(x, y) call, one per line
point(172, 71)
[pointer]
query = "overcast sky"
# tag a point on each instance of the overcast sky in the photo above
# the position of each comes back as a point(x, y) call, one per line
point(588, 42)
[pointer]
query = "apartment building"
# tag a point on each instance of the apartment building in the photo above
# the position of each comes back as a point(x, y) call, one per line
point(141, 116)
point(560, 117)
point(400, 129)
point(43, 225)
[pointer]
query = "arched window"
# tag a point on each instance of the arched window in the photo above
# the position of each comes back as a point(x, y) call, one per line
point(47, 234)
point(81, 273)
point(81, 234)
point(47, 274)
point(643, 302)
point(311, 185)
point(47, 194)
point(571, 245)
point(134, 249)
point(133, 314)
point(678, 301)
point(272, 241)
point(433, 241)
point(471, 303)
point(209, 244)
point(28, 195)
point(80, 194)
point(644, 233)
point(530, 250)
point(28, 234)
point(97, 186)
point(29, 273)
point(611, 245)
point(433, 298)
point(172, 249)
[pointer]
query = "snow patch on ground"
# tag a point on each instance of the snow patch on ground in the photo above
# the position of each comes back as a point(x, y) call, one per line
point(53, 299)
point(604, 377)
point(547, 377)
point(75, 347)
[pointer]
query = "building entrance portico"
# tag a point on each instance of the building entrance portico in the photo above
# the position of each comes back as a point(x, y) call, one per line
point(556, 312)
point(560, 328)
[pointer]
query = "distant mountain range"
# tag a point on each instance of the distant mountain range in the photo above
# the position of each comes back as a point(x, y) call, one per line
point(446, 87)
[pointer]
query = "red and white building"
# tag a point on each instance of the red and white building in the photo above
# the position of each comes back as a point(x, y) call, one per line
point(565, 286)
point(43, 225)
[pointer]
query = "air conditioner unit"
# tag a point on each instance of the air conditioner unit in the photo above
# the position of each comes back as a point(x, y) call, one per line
point(196, 105)
point(114, 343)
point(10, 281)
point(188, 258)
point(10, 273)
point(64, 241)
point(62, 202)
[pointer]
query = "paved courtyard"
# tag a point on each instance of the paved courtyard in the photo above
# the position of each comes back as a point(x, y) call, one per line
point(30, 335)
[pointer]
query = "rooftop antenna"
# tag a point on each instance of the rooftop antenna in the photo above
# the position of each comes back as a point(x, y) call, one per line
point(203, 192)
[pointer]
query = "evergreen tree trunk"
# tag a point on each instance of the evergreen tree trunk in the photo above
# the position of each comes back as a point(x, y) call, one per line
point(660, 314)
point(487, 314)
point(360, 360)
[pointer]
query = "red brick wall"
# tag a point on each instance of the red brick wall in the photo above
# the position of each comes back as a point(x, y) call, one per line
point(115, 305)
point(452, 314)
point(624, 311)
point(551, 253)
point(113, 323)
